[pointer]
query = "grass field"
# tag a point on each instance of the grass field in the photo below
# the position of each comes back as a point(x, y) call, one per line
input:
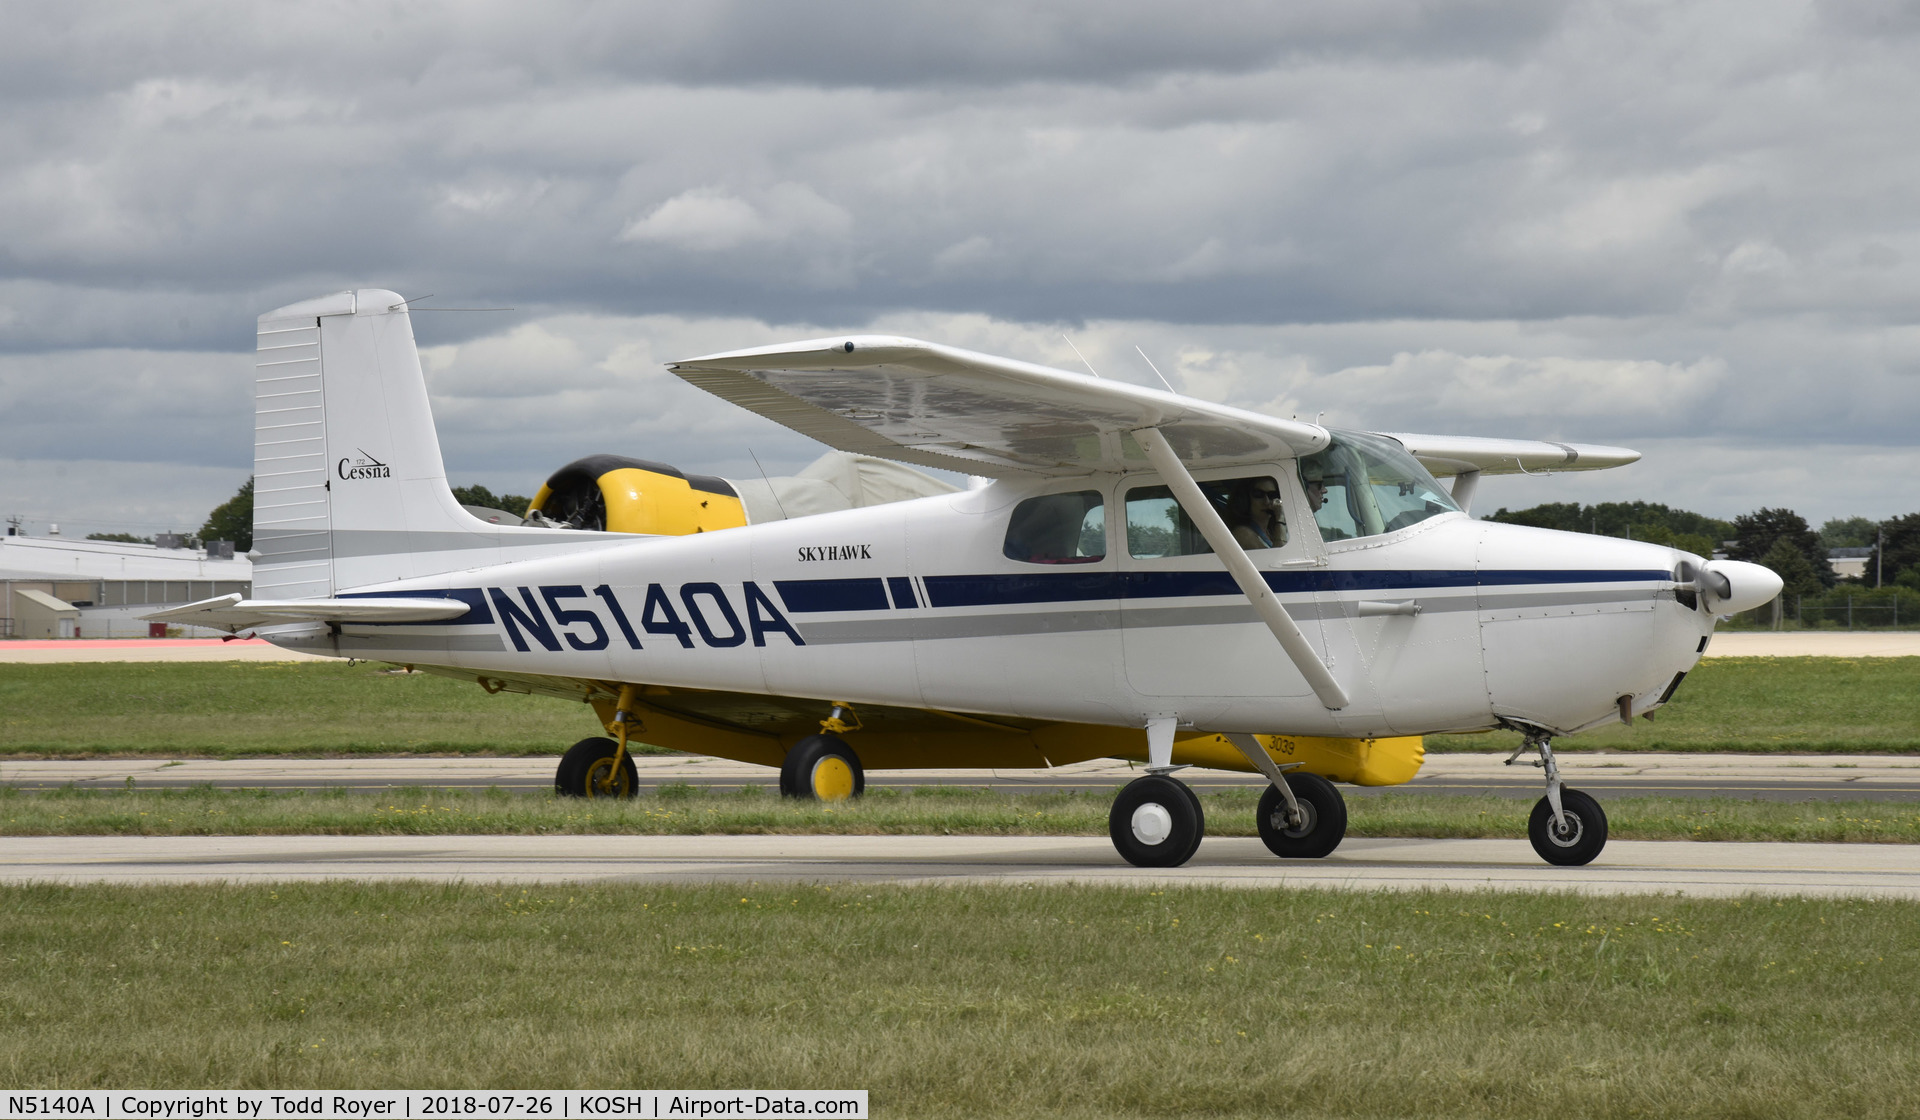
point(248, 708)
point(1067, 1001)
point(682, 810)
point(260, 708)
point(1822, 704)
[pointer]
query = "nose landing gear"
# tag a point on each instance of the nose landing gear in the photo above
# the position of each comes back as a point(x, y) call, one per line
point(1567, 827)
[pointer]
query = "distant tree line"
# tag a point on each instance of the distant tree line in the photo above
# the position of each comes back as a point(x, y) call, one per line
point(485, 498)
point(1780, 539)
point(1640, 521)
point(232, 520)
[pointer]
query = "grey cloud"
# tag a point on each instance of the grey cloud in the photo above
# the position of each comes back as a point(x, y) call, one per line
point(1311, 186)
point(1358, 208)
point(869, 43)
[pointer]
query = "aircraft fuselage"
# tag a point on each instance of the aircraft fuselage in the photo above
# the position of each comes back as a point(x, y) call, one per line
point(1448, 625)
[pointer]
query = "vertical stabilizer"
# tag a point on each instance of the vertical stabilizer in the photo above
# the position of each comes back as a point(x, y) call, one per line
point(349, 487)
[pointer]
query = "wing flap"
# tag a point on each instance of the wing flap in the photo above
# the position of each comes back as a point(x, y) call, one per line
point(939, 406)
point(1452, 455)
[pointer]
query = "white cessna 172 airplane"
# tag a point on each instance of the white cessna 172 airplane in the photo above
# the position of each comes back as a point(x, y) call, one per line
point(1144, 576)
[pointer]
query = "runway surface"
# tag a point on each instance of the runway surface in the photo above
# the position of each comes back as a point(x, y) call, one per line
point(1626, 867)
point(1768, 777)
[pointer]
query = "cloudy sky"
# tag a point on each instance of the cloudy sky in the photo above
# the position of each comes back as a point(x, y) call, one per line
point(1686, 228)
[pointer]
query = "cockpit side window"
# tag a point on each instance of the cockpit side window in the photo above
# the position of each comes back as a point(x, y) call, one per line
point(1363, 485)
point(1058, 529)
point(1158, 527)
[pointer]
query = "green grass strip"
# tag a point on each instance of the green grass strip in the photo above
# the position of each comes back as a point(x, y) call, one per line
point(1763, 705)
point(249, 709)
point(981, 1001)
point(254, 709)
point(681, 810)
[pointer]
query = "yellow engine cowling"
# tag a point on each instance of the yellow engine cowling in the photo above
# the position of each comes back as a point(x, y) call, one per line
point(621, 495)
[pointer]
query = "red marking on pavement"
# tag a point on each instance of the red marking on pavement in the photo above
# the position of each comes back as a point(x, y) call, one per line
point(128, 643)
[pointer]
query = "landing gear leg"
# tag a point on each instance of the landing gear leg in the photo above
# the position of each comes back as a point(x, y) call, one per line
point(1567, 827)
point(601, 767)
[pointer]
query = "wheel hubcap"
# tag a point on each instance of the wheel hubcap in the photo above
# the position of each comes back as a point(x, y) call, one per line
point(604, 781)
point(1308, 818)
point(1152, 824)
point(1569, 835)
point(832, 779)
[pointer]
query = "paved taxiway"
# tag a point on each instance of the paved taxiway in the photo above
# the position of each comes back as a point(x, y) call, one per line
point(1626, 867)
point(1769, 777)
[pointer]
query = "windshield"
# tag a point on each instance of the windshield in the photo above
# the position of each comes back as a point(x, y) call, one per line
point(1364, 485)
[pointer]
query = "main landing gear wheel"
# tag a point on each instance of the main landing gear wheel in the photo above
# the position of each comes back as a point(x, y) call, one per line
point(1577, 839)
point(1324, 822)
point(822, 768)
point(587, 766)
point(1156, 822)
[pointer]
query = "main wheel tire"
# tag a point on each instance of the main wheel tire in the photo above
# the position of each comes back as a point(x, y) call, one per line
point(587, 763)
point(1582, 839)
point(822, 768)
point(1322, 806)
point(1156, 821)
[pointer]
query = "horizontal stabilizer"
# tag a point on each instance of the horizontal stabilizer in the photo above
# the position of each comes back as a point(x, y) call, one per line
point(231, 612)
point(938, 406)
point(1450, 455)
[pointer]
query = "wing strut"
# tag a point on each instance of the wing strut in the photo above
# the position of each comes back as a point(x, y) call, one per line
point(1160, 453)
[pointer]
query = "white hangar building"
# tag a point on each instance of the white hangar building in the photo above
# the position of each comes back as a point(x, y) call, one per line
point(111, 584)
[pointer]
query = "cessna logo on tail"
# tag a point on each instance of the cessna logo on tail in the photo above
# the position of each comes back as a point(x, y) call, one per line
point(366, 466)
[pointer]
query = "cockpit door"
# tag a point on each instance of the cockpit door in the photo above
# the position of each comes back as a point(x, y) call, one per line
point(1187, 629)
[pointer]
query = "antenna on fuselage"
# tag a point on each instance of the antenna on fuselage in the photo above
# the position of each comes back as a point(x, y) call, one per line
point(1156, 371)
point(782, 506)
point(1079, 355)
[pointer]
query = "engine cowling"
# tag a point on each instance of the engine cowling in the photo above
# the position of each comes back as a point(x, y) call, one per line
point(621, 495)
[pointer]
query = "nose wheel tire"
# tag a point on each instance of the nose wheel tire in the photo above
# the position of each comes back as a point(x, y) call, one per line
point(1324, 814)
point(586, 767)
point(822, 768)
point(1156, 822)
point(1578, 840)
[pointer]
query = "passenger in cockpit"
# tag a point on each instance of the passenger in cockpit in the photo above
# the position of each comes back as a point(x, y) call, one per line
point(1253, 513)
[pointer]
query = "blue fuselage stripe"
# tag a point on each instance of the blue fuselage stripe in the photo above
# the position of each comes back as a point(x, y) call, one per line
point(874, 593)
point(1066, 587)
point(809, 596)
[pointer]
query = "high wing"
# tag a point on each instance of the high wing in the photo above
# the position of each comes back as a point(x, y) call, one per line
point(939, 406)
point(1451, 455)
point(233, 613)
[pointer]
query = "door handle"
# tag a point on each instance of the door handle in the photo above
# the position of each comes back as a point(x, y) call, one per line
point(1370, 608)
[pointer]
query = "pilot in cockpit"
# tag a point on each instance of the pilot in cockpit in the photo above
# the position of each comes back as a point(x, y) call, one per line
point(1313, 478)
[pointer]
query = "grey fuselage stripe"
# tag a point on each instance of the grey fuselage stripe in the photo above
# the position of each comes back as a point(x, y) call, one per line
point(923, 627)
